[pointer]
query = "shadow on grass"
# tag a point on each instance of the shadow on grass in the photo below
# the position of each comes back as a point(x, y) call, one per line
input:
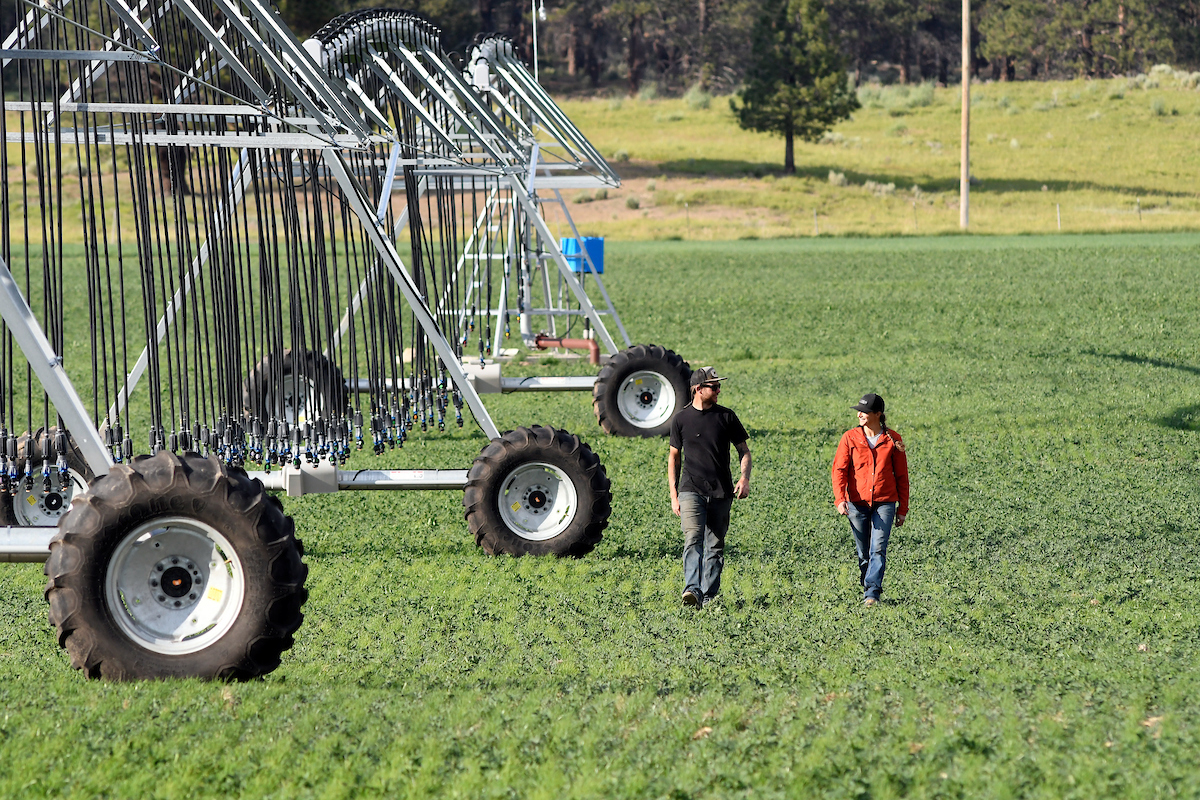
point(1184, 418)
point(1131, 358)
point(737, 168)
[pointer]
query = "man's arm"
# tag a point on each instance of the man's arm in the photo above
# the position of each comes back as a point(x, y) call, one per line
point(742, 490)
point(673, 478)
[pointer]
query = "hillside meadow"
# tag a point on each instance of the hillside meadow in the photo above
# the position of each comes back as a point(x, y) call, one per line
point(1089, 155)
point(1039, 635)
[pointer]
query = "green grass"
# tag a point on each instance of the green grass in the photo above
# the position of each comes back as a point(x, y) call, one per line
point(1096, 154)
point(1039, 636)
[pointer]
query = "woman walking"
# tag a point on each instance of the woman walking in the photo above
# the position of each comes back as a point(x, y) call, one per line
point(870, 487)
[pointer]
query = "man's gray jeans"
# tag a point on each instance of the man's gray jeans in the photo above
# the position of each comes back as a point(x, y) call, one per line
point(705, 521)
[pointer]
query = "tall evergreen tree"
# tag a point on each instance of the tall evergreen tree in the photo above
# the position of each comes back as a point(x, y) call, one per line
point(796, 83)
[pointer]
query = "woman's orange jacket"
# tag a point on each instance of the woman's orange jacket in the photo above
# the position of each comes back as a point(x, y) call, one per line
point(879, 475)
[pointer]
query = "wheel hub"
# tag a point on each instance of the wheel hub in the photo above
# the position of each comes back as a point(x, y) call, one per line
point(646, 399)
point(537, 499)
point(173, 580)
point(39, 508)
point(174, 585)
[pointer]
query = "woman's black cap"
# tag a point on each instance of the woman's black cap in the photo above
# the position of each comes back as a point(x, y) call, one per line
point(870, 404)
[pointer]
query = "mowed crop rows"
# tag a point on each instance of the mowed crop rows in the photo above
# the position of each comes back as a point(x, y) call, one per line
point(1039, 636)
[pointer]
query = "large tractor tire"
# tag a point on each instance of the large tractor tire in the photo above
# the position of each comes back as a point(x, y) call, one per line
point(173, 567)
point(311, 385)
point(639, 390)
point(35, 506)
point(537, 491)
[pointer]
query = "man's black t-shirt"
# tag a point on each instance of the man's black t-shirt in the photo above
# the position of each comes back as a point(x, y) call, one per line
point(704, 438)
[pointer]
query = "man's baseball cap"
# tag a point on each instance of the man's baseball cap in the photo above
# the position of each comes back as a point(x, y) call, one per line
point(870, 404)
point(705, 375)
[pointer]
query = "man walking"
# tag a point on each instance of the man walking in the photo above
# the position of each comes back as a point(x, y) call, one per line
point(702, 433)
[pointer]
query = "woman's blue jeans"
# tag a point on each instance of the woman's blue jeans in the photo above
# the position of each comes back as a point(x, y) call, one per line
point(705, 522)
point(872, 527)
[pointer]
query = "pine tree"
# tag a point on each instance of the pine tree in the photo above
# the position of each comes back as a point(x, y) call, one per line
point(796, 83)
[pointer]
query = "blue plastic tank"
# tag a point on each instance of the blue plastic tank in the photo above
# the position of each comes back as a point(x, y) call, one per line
point(595, 249)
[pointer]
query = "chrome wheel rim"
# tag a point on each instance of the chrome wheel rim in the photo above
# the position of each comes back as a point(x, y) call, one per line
point(538, 501)
point(39, 508)
point(646, 399)
point(175, 585)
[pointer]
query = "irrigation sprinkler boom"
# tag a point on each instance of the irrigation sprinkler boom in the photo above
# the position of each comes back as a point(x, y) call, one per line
point(394, 67)
point(199, 200)
point(555, 147)
point(481, 231)
point(639, 389)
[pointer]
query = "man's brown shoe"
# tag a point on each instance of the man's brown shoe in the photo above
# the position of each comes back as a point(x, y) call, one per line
point(870, 601)
point(690, 599)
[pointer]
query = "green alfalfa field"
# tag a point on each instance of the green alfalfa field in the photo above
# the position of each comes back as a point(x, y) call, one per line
point(1039, 636)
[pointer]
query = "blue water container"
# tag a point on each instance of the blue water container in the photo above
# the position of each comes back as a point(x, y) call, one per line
point(595, 249)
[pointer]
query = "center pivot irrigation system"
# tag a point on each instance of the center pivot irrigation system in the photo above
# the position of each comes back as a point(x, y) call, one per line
point(202, 237)
point(640, 388)
point(497, 259)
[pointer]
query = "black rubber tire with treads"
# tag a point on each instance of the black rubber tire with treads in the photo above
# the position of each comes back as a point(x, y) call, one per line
point(33, 447)
point(674, 372)
point(263, 391)
point(537, 445)
point(168, 486)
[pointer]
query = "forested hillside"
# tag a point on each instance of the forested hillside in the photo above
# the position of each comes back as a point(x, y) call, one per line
point(585, 45)
point(678, 43)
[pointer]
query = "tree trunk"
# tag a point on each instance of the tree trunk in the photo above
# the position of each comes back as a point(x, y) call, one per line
point(1085, 43)
point(1123, 59)
point(789, 152)
point(518, 29)
point(573, 50)
point(591, 60)
point(636, 59)
point(976, 61)
point(903, 60)
point(487, 24)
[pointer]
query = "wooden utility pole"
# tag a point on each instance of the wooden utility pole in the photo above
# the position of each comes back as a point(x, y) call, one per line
point(964, 180)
